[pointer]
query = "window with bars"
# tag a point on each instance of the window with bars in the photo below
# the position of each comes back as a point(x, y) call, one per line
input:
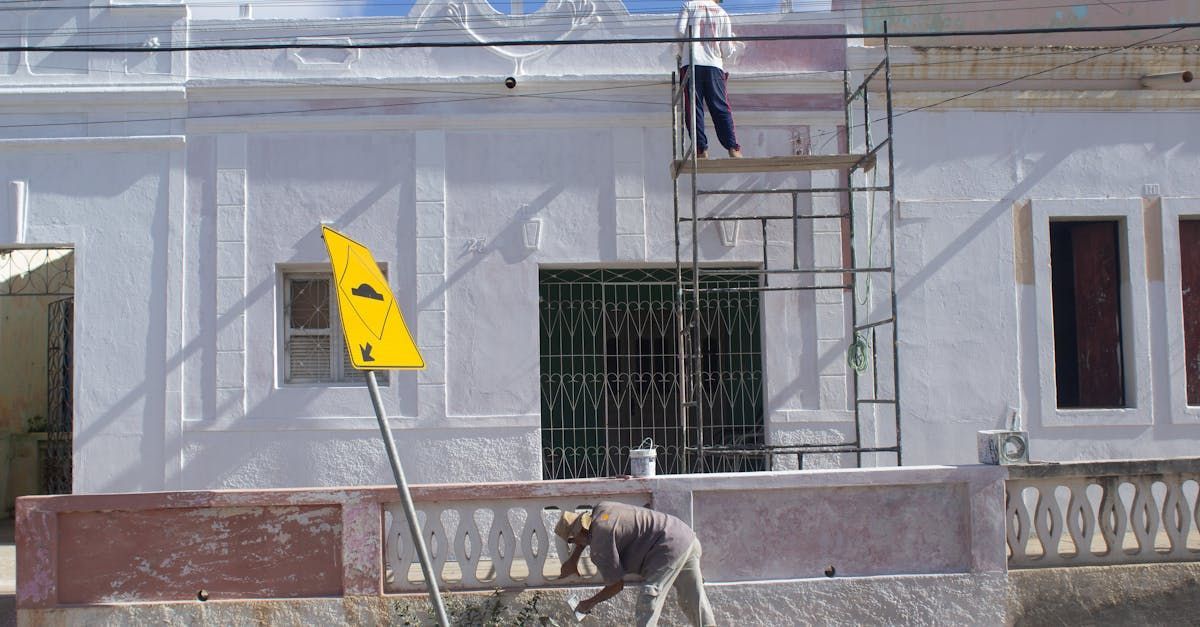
point(610, 373)
point(314, 350)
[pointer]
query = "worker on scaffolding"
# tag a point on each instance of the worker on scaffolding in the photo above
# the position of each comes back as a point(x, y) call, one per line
point(705, 19)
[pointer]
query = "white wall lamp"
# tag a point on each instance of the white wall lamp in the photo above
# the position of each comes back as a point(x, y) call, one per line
point(531, 232)
point(18, 196)
point(1170, 80)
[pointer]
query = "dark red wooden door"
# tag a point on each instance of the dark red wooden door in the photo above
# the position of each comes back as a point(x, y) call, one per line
point(1189, 265)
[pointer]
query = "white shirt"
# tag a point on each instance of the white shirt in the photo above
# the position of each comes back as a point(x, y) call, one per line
point(706, 19)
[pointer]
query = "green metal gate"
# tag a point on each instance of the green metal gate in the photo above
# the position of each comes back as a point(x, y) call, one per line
point(610, 372)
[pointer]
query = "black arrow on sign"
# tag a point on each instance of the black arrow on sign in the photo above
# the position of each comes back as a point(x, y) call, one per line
point(366, 352)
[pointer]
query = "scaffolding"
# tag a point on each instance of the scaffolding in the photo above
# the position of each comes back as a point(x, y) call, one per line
point(874, 384)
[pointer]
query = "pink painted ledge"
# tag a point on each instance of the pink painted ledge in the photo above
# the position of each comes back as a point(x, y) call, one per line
point(328, 542)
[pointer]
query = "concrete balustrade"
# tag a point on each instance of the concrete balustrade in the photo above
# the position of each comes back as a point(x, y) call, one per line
point(1104, 513)
point(766, 528)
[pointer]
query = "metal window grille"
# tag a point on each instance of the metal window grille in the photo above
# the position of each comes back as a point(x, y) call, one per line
point(610, 372)
point(57, 456)
point(313, 337)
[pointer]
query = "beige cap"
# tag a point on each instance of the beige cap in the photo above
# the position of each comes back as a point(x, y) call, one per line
point(571, 523)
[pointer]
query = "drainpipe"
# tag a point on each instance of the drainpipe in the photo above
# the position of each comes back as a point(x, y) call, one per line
point(1170, 80)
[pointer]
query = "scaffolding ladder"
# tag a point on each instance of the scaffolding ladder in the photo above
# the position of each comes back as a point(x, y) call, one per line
point(857, 164)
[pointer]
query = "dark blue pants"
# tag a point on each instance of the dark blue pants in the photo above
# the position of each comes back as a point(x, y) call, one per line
point(710, 90)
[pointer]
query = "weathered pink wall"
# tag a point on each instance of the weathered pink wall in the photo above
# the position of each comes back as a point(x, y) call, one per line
point(170, 554)
point(83, 549)
point(786, 534)
point(166, 546)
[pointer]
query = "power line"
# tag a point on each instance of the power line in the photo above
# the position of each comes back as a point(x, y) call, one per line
point(834, 134)
point(406, 22)
point(560, 94)
point(602, 41)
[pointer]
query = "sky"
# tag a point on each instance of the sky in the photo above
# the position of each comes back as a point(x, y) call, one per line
point(354, 8)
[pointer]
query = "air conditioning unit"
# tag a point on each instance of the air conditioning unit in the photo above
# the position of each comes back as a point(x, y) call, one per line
point(1003, 447)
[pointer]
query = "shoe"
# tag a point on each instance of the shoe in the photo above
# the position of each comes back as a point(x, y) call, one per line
point(702, 154)
point(735, 153)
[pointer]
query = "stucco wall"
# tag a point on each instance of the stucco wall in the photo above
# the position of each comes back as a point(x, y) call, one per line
point(971, 299)
point(111, 199)
point(189, 190)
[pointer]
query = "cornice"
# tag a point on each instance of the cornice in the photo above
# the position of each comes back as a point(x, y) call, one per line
point(1007, 63)
point(1052, 100)
point(93, 96)
point(227, 90)
point(458, 122)
point(107, 144)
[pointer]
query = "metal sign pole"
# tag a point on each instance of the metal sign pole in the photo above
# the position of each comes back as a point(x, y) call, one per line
point(410, 513)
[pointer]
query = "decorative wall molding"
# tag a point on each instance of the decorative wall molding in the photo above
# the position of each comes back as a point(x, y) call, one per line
point(556, 20)
point(459, 122)
point(1135, 315)
point(76, 144)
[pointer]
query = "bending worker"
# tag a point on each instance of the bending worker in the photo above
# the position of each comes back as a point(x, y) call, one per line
point(626, 539)
point(699, 19)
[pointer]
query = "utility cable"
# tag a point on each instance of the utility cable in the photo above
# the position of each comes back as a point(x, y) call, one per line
point(395, 45)
point(468, 97)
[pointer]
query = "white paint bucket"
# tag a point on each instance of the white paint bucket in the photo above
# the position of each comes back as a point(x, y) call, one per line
point(641, 460)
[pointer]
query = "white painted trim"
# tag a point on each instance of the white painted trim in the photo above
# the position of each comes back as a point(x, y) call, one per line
point(175, 306)
point(655, 85)
point(1135, 313)
point(1127, 100)
point(90, 97)
point(810, 416)
point(323, 123)
point(360, 423)
point(1172, 210)
point(111, 144)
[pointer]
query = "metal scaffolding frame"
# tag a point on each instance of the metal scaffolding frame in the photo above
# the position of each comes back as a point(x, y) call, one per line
point(867, 326)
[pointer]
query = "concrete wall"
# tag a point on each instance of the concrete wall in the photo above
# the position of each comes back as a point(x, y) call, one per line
point(973, 274)
point(146, 554)
point(196, 181)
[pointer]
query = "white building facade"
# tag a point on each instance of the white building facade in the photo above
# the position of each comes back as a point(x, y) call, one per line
point(192, 186)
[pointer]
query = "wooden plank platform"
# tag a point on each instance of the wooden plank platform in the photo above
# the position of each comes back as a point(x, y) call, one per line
point(749, 165)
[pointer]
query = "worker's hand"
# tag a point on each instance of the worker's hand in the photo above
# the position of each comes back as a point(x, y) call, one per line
point(585, 606)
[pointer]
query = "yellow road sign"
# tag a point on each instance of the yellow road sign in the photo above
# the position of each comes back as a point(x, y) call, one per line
point(371, 321)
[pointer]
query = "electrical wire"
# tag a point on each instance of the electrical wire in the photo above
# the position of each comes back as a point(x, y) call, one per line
point(586, 42)
point(406, 23)
point(470, 97)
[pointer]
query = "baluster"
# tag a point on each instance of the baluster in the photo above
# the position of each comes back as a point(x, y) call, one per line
point(468, 556)
point(1196, 509)
point(401, 552)
point(1176, 519)
point(535, 560)
point(436, 540)
point(1018, 528)
point(1113, 519)
point(1048, 521)
point(1079, 509)
point(503, 544)
point(1143, 516)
